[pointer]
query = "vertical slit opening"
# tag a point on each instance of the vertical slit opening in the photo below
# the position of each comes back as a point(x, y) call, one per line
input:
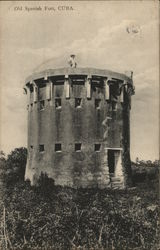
point(42, 105)
point(78, 102)
point(58, 103)
point(97, 103)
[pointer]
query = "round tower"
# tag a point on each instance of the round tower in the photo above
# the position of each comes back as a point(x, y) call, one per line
point(79, 127)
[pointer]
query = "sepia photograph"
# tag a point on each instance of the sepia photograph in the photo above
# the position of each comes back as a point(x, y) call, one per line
point(79, 125)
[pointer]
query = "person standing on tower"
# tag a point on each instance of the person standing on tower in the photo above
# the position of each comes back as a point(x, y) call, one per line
point(72, 61)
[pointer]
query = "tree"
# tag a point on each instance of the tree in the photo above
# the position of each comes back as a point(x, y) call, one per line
point(2, 155)
point(15, 165)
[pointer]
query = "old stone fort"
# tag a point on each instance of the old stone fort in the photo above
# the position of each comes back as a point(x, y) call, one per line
point(79, 127)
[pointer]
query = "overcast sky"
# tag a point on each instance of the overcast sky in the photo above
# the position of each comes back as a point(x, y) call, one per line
point(120, 36)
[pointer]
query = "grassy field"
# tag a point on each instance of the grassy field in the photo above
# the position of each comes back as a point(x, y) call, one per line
point(52, 217)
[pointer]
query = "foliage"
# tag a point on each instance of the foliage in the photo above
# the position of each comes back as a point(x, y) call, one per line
point(53, 217)
point(147, 163)
point(2, 156)
point(45, 186)
point(80, 219)
point(13, 168)
point(145, 171)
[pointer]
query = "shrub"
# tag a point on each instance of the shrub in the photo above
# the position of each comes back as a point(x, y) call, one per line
point(13, 169)
point(45, 185)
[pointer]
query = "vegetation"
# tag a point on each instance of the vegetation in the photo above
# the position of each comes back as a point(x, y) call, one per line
point(54, 217)
point(12, 169)
point(145, 171)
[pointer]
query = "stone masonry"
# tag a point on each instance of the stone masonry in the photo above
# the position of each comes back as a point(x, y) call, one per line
point(79, 127)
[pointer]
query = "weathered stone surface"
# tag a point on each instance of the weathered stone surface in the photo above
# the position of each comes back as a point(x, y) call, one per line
point(97, 125)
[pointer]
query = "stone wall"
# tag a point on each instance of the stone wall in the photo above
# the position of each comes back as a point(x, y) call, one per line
point(85, 126)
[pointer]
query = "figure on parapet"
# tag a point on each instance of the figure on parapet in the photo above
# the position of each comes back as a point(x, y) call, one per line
point(72, 61)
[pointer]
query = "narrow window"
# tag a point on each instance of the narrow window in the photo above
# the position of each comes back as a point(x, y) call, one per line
point(97, 147)
point(31, 88)
point(78, 147)
point(114, 92)
point(31, 106)
point(58, 147)
point(114, 106)
point(31, 147)
point(41, 148)
point(111, 161)
point(42, 105)
point(97, 103)
point(78, 102)
point(58, 103)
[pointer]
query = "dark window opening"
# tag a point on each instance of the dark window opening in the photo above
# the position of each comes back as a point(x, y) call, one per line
point(31, 106)
point(97, 147)
point(114, 92)
point(41, 148)
point(78, 82)
point(78, 102)
point(42, 84)
point(97, 86)
point(59, 82)
point(31, 88)
point(114, 106)
point(58, 147)
point(111, 161)
point(93, 87)
point(42, 105)
point(97, 103)
point(58, 103)
point(78, 147)
point(31, 147)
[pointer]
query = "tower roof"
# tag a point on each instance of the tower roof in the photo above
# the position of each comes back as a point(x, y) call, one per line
point(49, 72)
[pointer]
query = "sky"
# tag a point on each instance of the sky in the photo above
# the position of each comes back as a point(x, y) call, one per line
point(116, 35)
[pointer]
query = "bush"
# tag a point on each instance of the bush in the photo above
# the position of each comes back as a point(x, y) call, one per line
point(45, 186)
point(81, 219)
point(54, 217)
point(13, 168)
